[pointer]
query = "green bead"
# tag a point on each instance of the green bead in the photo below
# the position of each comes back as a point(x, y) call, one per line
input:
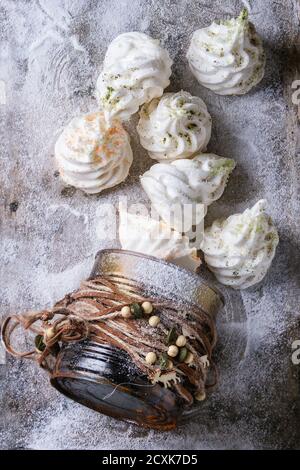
point(183, 352)
point(39, 343)
point(136, 310)
point(172, 336)
point(163, 361)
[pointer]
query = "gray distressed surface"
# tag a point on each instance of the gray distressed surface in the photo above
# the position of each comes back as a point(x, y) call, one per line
point(50, 55)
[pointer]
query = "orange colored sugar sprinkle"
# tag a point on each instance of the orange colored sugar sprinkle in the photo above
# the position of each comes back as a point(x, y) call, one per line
point(91, 117)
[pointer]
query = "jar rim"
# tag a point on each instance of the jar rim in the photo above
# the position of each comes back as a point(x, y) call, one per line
point(196, 278)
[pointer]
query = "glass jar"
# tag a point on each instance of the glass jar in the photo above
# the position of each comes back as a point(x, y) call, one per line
point(103, 377)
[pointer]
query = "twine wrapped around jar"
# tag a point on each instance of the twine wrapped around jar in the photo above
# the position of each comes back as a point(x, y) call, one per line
point(167, 340)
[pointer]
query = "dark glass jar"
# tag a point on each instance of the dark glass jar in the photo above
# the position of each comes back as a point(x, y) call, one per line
point(103, 377)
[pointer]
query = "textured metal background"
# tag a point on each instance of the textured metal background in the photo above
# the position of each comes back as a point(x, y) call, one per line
point(50, 55)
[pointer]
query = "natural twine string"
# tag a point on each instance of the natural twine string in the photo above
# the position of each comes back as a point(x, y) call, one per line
point(94, 311)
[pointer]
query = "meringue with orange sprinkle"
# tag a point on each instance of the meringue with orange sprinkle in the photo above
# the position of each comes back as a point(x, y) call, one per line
point(92, 155)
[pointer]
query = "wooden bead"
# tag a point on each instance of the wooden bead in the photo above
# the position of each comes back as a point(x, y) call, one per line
point(154, 321)
point(125, 312)
point(150, 358)
point(189, 358)
point(147, 307)
point(172, 351)
point(181, 341)
point(200, 396)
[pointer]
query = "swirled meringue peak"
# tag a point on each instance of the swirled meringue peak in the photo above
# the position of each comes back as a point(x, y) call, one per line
point(92, 155)
point(149, 236)
point(173, 187)
point(175, 126)
point(136, 69)
point(227, 57)
point(239, 250)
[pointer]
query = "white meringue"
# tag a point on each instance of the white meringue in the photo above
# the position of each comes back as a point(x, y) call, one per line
point(151, 237)
point(239, 250)
point(91, 155)
point(172, 186)
point(174, 126)
point(227, 57)
point(136, 69)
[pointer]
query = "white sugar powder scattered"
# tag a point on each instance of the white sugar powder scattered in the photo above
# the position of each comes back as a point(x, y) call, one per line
point(51, 53)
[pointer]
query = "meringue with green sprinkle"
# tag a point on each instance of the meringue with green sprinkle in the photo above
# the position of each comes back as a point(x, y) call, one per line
point(227, 57)
point(186, 182)
point(136, 69)
point(239, 250)
point(175, 126)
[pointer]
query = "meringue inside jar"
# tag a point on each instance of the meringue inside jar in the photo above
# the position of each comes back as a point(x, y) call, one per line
point(103, 377)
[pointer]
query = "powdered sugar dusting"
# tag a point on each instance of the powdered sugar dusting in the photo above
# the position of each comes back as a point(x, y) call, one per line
point(50, 56)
